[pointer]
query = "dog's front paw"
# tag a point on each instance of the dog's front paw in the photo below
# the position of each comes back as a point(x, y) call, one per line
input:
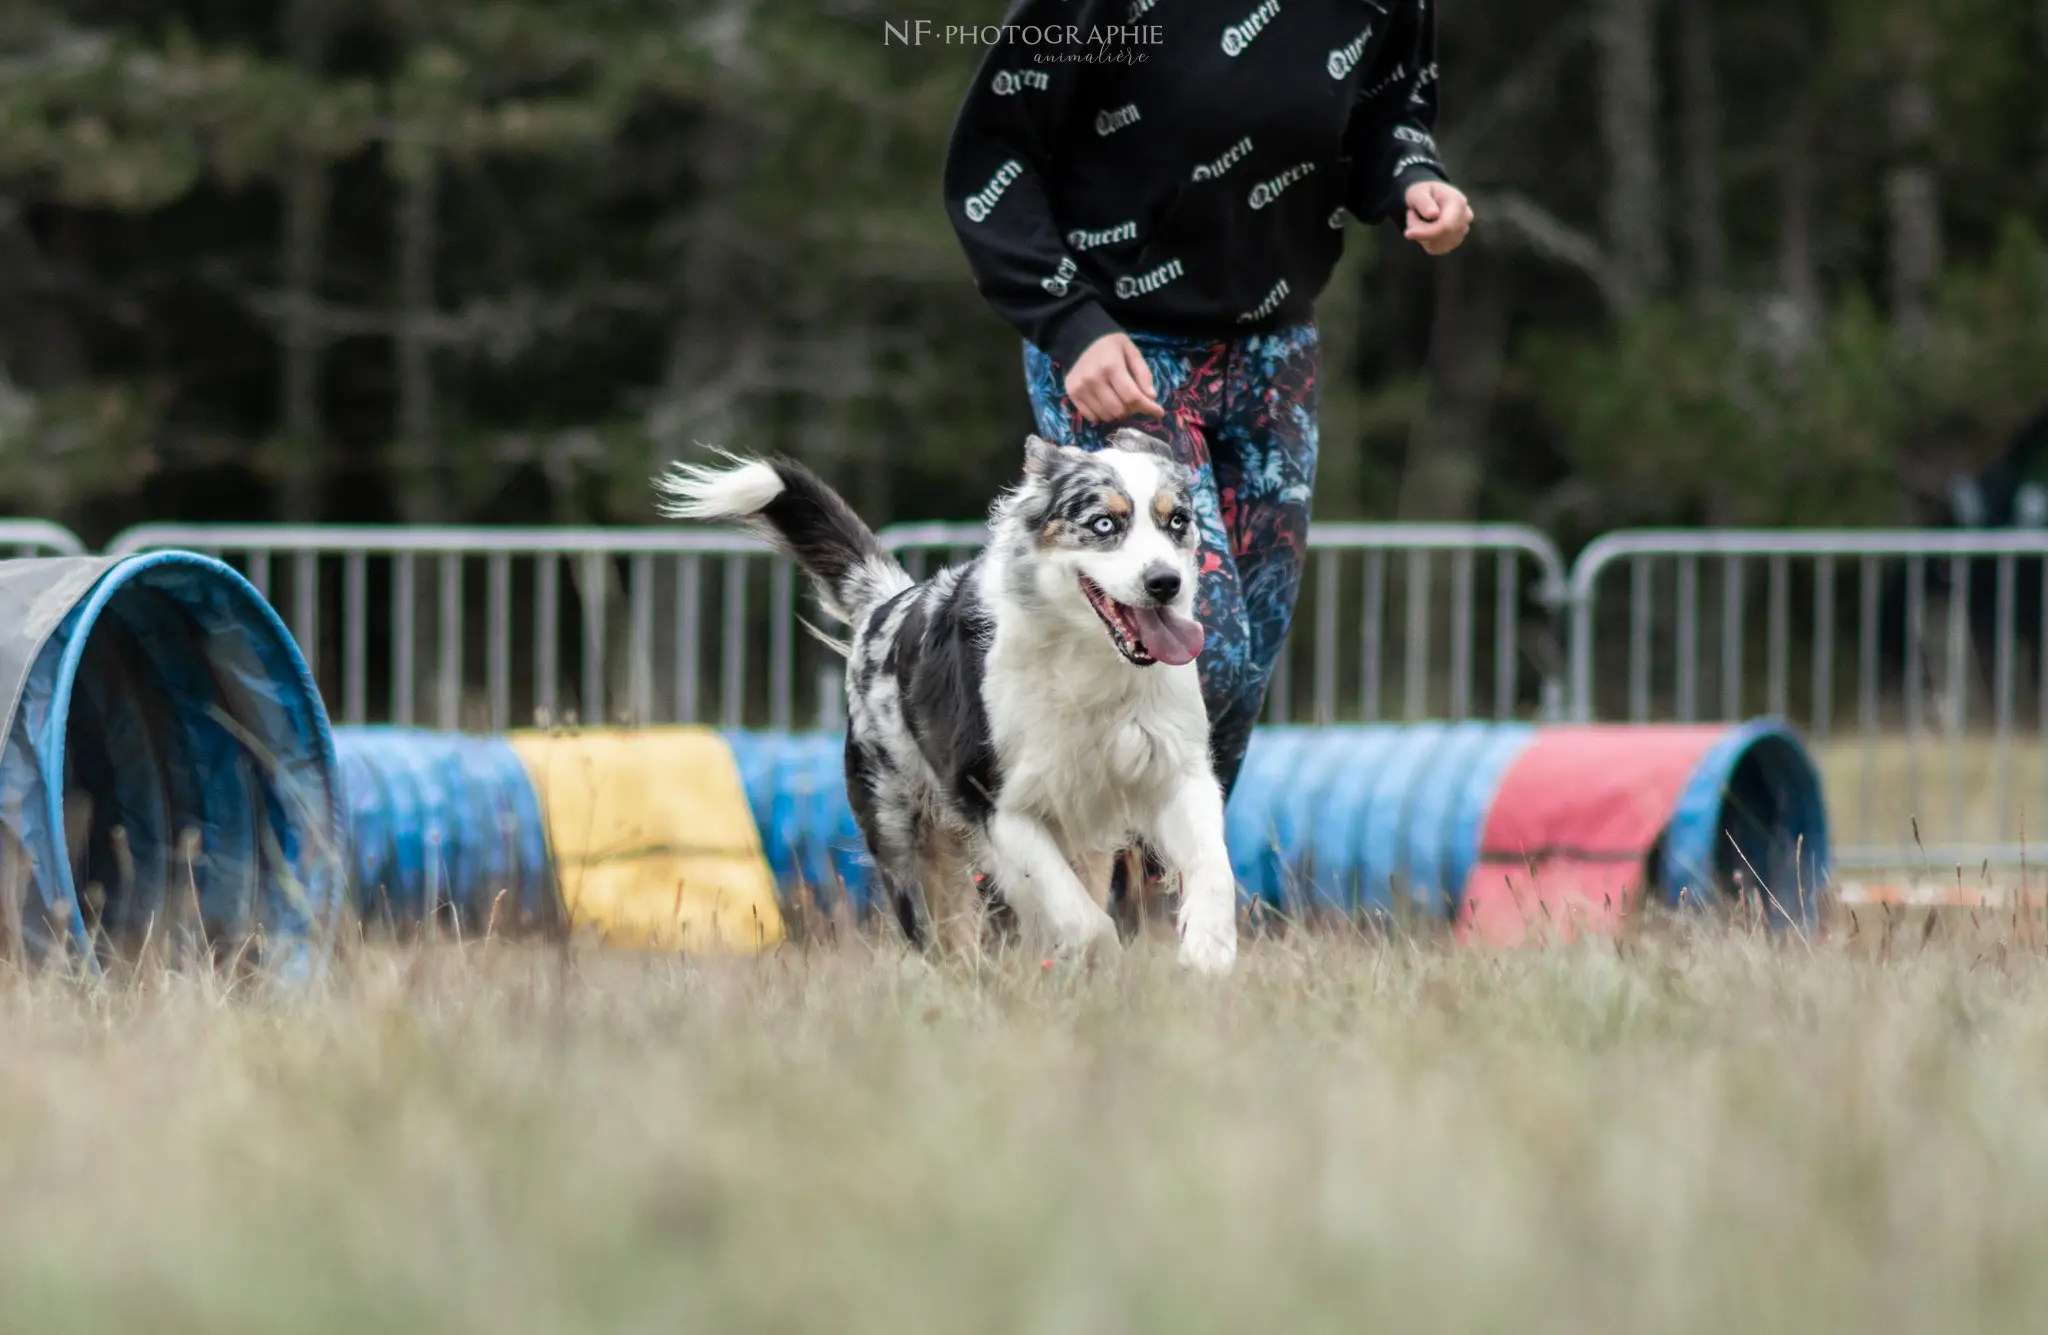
point(1088, 938)
point(1208, 919)
point(1209, 948)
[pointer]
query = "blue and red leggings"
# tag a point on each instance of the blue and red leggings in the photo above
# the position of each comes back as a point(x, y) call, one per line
point(1241, 413)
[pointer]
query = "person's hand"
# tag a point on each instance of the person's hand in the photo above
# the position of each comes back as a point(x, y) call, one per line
point(1110, 382)
point(1439, 215)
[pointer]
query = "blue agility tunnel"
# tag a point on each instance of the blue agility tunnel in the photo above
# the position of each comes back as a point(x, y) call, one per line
point(796, 789)
point(1361, 819)
point(443, 825)
point(1346, 819)
point(168, 764)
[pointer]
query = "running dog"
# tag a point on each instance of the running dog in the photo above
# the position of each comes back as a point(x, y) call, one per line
point(1027, 714)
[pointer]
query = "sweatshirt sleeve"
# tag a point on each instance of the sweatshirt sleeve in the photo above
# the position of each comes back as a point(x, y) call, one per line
point(999, 160)
point(1392, 136)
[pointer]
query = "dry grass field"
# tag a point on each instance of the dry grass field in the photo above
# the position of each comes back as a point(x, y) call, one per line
point(1699, 1130)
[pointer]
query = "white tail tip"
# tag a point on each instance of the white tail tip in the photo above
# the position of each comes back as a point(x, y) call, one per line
point(738, 490)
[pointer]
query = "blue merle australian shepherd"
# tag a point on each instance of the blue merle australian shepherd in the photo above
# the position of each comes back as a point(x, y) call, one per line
point(1026, 715)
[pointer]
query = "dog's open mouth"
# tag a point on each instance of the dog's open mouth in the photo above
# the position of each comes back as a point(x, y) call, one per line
point(1146, 634)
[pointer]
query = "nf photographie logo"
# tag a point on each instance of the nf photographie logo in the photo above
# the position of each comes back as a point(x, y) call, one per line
point(1050, 37)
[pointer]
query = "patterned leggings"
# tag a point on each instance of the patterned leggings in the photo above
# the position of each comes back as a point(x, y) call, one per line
point(1242, 414)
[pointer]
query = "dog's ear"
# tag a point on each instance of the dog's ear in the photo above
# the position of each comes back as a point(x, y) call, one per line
point(1137, 442)
point(1040, 456)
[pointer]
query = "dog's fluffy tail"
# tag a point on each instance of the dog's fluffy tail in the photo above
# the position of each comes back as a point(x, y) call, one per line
point(791, 506)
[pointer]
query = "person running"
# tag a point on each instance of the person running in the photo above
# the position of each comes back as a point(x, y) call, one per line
point(1153, 193)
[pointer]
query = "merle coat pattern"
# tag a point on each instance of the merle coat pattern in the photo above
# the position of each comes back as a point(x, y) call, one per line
point(1027, 714)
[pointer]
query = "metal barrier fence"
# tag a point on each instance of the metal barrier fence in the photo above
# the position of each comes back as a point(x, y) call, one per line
point(689, 625)
point(616, 625)
point(1389, 622)
point(1424, 621)
point(37, 537)
point(1912, 660)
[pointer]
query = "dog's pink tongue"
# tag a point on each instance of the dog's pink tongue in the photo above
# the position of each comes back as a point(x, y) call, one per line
point(1168, 636)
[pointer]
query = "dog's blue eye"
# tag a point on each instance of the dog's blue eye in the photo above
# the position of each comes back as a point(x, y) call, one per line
point(1177, 521)
point(1105, 526)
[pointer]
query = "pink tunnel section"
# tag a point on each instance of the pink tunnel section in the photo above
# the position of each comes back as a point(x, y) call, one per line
point(1567, 845)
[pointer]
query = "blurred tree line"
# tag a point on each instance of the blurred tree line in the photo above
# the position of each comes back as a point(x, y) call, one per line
point(1745, 261)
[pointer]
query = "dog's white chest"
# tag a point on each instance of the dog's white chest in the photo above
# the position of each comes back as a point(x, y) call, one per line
point(1098, 778)
point(1134, 756)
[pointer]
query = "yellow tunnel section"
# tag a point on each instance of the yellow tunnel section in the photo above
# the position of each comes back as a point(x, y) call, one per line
point(653, 843)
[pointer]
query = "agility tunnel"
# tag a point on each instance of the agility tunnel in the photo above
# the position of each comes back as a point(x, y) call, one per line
point(1493, 826)
point(1589, 819)
point(686, 839)
point(795, 786)
point(444, 829)
point(168, 769)
point(635, 838)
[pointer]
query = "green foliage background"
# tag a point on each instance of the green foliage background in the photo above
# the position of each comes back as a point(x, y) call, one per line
point(489, 261)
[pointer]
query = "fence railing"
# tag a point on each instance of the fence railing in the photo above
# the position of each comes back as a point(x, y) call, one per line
point(498, 627)
point(1912, 660)
point(924, 548)
point(37, 537)
point(620, 624)
point(1916, 662)
point(1414, 621)
point(1389, 623)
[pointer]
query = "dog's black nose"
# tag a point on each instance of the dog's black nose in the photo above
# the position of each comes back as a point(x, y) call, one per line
point(1162, 584)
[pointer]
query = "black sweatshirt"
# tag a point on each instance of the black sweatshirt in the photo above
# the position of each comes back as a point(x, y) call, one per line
point(1184, 166)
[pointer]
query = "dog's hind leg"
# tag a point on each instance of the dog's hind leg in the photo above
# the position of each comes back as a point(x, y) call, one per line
point(952, 901)
point(896, 872)
point(906, 910)
point(931, 895)
point(1135, 897)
